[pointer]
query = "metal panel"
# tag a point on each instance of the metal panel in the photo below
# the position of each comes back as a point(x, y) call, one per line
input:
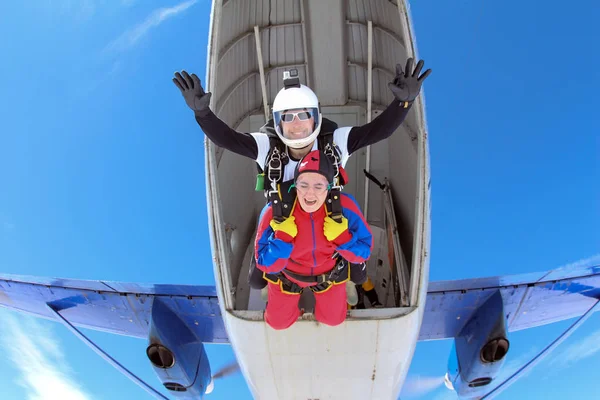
point(121, 312)
point(239, 16)
point(326, 36)
point(112, 286)
point(236, 76)
point(299, 367)
point(388, 47)
point(528, 302)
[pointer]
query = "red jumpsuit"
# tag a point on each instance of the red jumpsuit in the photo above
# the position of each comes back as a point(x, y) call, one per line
point(310, 253)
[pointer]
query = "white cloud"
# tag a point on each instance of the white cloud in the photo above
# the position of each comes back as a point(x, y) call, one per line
point(511, 365)
point(37, 355)
point(130, 37)
point(585, 262)
point(574, 352)
point(417, 385)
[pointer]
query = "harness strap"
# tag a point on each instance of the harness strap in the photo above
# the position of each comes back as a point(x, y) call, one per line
point(335, 204)
point(282, 200)
point(284, 283)
point(275, 190)
point(339, 274)
point(308, 278)
point(374, 180)
point(277, 206)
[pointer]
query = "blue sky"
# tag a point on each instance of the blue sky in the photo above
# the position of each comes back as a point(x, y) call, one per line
point(101, 172)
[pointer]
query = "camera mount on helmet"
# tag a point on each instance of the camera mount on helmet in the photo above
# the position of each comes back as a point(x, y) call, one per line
point(291, 79)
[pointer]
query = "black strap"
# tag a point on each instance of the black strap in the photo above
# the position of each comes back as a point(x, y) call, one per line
point(274, 143)
point(335, 204)
point(334, 275)
point(325, 137)
point(278, 150)
point(277, 192)
point(286, 284)
point(308, 278)
point(334, 197)
point(277, 207)
point(282, 200)
point(374, 180)
point(334, 154)
point(338, 274)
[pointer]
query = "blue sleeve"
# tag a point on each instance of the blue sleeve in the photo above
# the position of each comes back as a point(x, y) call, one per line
point(271, 253)
point(359, 247)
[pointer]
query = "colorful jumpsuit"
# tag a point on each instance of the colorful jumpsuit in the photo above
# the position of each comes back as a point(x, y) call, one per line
point(310, 253)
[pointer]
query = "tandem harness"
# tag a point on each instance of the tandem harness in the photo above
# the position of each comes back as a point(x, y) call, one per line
point(279, 193)
point(282, 196)
point(339, 274)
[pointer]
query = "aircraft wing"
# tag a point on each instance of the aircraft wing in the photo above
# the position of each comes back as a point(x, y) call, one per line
point(114, 307)
point(530, 300)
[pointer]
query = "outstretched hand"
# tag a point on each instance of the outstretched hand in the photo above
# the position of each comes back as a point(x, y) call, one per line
point(406, 85)
point(192, 91)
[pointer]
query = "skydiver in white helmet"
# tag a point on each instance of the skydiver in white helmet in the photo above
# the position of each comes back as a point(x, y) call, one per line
point(298, 119)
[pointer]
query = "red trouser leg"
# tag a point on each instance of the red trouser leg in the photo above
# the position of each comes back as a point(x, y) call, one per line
point(282, 308)
point(330, 305)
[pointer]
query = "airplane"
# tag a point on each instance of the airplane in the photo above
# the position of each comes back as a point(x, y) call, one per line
point(349, 71)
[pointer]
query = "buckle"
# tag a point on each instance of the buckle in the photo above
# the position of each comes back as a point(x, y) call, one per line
point(274, 166)
point(274, 173)
point(321, 287)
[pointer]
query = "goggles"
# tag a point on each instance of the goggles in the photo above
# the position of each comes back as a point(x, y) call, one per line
point(318, 188)
point(302, 116)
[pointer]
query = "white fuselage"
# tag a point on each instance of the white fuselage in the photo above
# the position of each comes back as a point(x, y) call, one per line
point(367, 356)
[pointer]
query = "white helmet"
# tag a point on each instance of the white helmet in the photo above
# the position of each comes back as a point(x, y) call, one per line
point(293, 98)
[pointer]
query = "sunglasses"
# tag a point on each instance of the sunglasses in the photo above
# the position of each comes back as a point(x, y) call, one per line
point(302, 116)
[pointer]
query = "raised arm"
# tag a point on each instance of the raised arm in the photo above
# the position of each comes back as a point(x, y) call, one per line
point(405, 87)
point(217, 131)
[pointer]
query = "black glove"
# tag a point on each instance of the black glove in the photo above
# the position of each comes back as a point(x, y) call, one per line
point(192, 91)
point(406, 87)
